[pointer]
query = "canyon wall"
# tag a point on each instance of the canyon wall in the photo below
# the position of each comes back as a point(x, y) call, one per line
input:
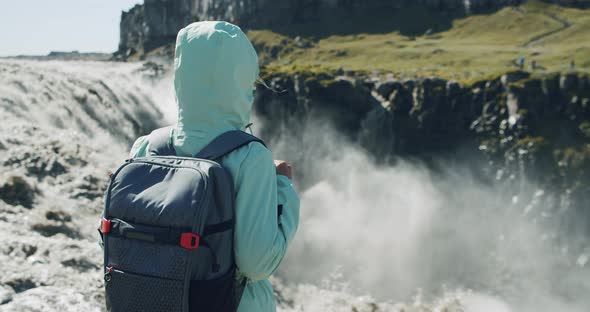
point(508, 130)
point(157, 22)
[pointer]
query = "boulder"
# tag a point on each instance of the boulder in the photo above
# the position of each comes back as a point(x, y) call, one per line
point(20, 283)
point(15, 190)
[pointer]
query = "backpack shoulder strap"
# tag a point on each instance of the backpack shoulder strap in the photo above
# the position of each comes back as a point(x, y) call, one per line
point(226, 143)
point(160, 142)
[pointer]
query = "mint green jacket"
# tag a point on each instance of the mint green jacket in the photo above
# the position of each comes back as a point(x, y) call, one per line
point(215, 68)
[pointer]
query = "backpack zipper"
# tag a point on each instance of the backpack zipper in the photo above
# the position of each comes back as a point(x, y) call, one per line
point(108, 274)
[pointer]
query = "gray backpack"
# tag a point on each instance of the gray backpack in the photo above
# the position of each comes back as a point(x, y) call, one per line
point(167, 230)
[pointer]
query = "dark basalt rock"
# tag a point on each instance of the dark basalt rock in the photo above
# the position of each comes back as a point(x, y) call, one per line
point(568, 82)
point(80, 263)
point(58, 215)
point(535, 128)
point(52, 228)
point(20, 284)
point(17, 191)
point(385, 88)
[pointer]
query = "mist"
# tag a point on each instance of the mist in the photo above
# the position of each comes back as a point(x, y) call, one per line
point(399, 232)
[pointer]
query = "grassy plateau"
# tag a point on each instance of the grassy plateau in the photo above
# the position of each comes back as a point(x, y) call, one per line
point(416, 42)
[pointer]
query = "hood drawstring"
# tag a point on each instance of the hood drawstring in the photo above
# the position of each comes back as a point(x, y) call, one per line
point(249, 127)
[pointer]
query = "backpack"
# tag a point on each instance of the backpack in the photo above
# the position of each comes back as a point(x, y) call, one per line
point(167, 230)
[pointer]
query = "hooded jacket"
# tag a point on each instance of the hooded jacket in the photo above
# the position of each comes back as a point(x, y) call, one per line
point(215, 68)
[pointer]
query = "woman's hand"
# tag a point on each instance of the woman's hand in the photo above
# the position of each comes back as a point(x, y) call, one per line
point(284, 168)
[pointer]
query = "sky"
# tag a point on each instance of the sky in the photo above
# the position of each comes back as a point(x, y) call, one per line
point(36, 27)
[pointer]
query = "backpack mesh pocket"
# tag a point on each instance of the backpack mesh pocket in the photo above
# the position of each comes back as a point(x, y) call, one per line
point(158, 260)
point(128, 292)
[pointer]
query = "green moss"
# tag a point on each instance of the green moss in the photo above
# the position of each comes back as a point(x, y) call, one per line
point(532, 143)
point(575, 158)
point(469, 50)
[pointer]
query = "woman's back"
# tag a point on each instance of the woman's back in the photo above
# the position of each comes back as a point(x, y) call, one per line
point(215, 70)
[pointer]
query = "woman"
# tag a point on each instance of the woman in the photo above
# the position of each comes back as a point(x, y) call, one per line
point(215, 68)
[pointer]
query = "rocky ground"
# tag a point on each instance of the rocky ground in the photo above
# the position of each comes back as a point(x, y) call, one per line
point(50, 199)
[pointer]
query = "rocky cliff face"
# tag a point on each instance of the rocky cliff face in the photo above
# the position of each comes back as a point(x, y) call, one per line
point(511, 129)
point(156, 22)
point(153, 24)
point(132, 31)
point(269, 13)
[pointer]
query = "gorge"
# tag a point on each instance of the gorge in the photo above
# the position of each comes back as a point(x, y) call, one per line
point(435, 173)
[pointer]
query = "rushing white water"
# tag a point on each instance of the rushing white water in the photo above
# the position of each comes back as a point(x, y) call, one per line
point(394, 232)
point(107, 102)
point(63, 126)
point(371, 238)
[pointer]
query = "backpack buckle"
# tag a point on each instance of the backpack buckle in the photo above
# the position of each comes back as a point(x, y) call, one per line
point(189, 241)
point(105, 226)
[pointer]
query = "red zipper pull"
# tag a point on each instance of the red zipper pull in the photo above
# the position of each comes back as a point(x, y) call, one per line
point(107, 275)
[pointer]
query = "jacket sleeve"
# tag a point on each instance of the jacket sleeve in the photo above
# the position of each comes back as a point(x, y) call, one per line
point(139, 148)
point(288, 198)
point(260, 240)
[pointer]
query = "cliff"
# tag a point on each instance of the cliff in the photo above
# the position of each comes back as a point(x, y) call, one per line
point(270, 14)
point(156, 22)
point(509, 129)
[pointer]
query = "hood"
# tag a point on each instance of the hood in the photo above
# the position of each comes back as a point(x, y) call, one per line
point(215, 67)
